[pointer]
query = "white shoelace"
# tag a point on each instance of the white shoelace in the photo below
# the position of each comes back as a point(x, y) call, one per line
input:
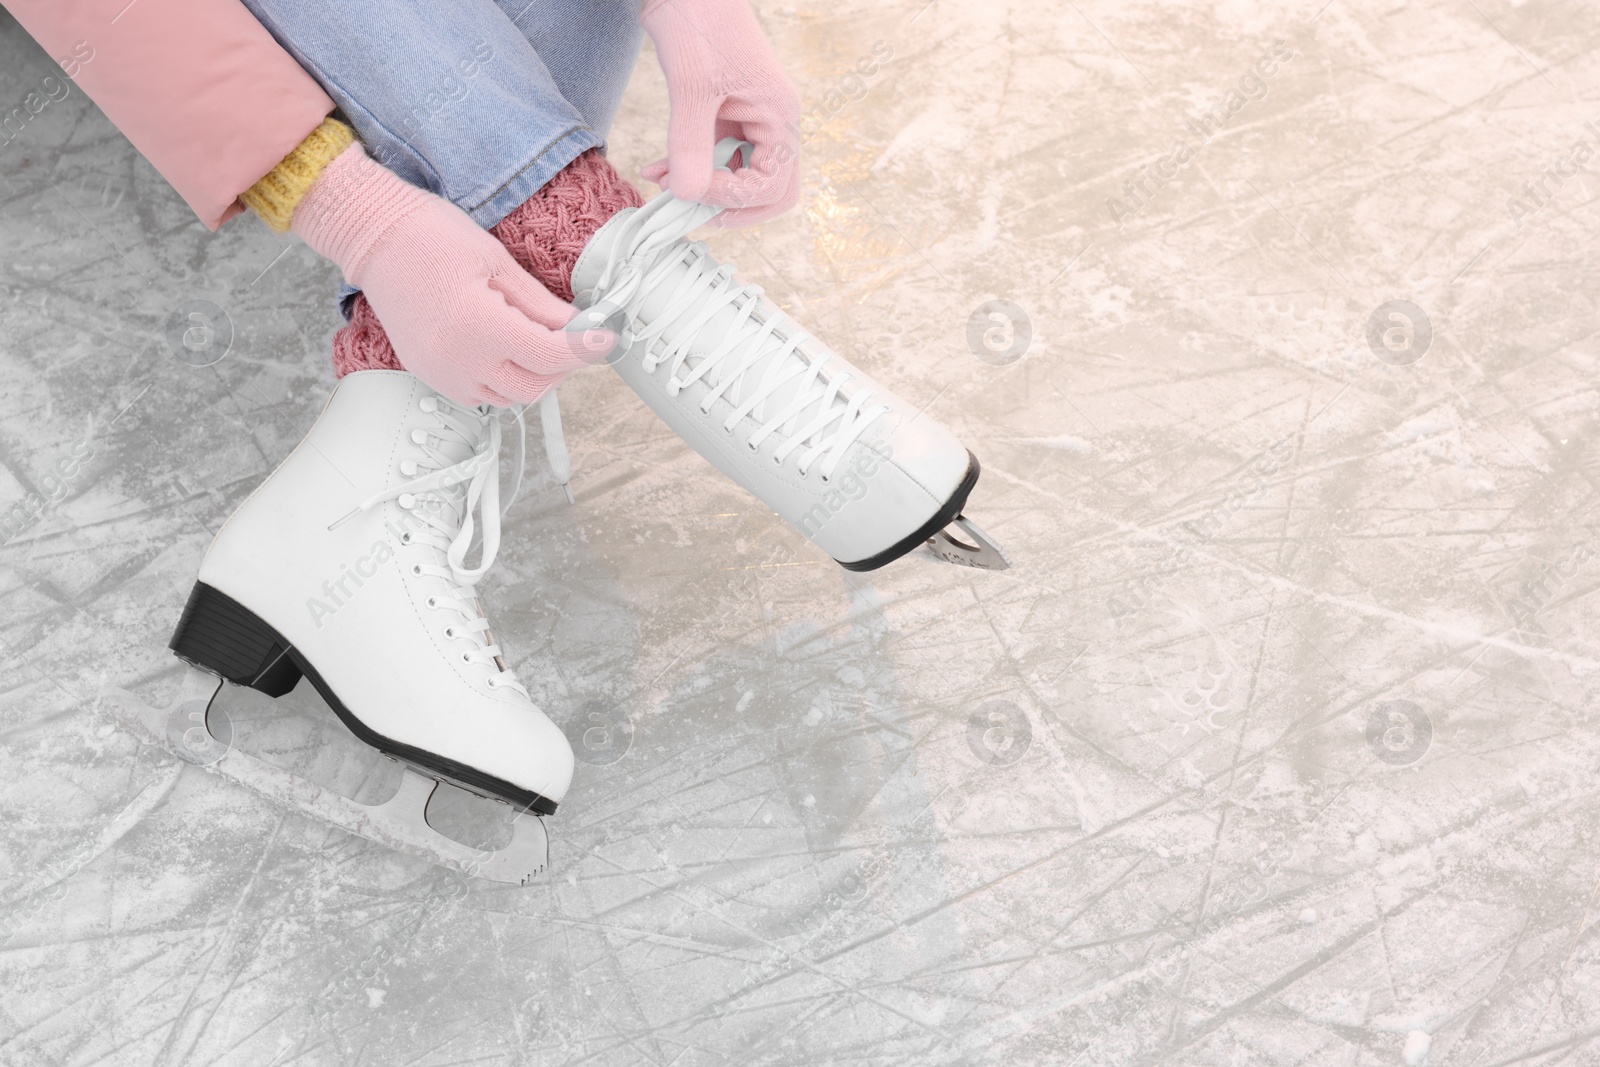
point(644, 255)
point(819, 416)
point(441, 497)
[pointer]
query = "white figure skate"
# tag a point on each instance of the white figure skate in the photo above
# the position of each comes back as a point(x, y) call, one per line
point(348, 566)
point(854, 468)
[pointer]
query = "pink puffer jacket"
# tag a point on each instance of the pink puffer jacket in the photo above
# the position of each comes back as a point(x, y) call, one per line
point(198, 86)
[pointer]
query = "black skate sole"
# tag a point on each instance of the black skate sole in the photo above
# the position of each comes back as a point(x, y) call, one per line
point(941, 518)
point(218, 634)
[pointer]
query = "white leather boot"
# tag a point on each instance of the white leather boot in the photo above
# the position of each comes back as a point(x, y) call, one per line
point(348, 566)
point(853, 467)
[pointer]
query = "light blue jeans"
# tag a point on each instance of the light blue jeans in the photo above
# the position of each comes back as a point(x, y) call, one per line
point(479, 101)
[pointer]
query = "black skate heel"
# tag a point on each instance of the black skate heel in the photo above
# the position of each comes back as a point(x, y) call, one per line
point(218, 634)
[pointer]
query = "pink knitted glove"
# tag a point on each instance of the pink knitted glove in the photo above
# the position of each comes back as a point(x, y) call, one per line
point(461, 314)
point(724, 81)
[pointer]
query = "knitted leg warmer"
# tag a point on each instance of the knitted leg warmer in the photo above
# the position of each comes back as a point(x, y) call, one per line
point(546, 235)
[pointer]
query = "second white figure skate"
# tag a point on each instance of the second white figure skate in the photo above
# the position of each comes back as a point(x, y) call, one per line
point(348, 566)
point(860, 472)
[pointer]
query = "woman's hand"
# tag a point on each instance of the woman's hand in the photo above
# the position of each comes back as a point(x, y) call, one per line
point(724, 81)
point(460, 312)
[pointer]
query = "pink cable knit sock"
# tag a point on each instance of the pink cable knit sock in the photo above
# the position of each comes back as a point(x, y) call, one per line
point(545, 235)
point(548, 232)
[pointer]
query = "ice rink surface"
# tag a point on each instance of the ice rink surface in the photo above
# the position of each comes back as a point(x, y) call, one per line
point(1278, 745)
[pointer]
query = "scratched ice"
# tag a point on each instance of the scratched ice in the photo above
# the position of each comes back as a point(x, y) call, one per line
point(1277, 746)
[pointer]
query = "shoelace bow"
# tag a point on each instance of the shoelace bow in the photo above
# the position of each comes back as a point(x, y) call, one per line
point(440, 498)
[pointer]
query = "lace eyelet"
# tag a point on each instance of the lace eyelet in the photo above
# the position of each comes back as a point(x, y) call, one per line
point(776, 462)
point(727, 430)
point(490, 683)
point(753, 446)
point(428, 404)
point(416, 570)
point(825, 479)
point(433, 602)
point(405, 538)
point(466, 657)
point(450, 633)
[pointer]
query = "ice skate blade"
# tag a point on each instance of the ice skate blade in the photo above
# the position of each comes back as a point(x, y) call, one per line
point(983, 553)
point(400, 823)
